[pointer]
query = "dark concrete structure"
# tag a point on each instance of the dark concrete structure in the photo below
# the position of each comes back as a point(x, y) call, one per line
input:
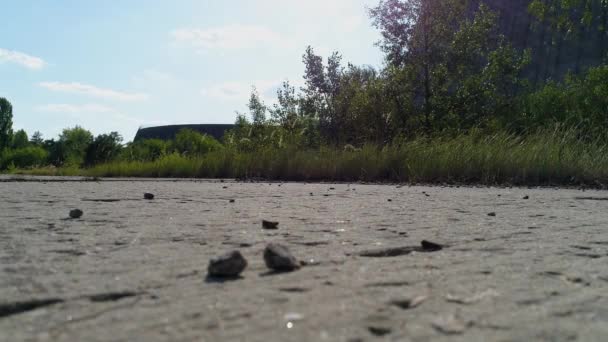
point(168, 132)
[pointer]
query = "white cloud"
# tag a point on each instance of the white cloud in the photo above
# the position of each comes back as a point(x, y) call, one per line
point(76, 109)
point(330, 16)
point(79, 111)
point(93, 91)
point(22, 59)
point(229, 37)
point(241, 90)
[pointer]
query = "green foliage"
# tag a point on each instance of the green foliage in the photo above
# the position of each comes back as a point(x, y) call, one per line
point(145, 150)
point(104, 148)
point(36, 139)
point(6, 123)
point(23, 158)
point(20, 140)
point(547, 157)
point(191, 143)
point(568, 16)
point(72, 146)
point(581, 101)
point(459, 72)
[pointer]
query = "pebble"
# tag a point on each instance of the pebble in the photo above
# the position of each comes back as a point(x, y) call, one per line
point(279, 258)
point(409, 303)
point(492, 214)
point(450, 325)
point(148, 196)
point(76, 213)
point(526, 197)
point(430, 246)
point(270, 224)
point(231, 201)
point(230, 264)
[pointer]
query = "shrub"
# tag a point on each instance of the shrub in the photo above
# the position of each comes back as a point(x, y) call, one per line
point(23, 158)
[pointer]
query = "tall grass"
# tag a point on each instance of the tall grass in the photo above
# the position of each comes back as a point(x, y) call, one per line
point(546, 158)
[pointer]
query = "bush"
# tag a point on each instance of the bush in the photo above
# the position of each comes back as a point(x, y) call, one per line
point(145, 150)
point(191, 143)
point(103, 149)
point(23, 158)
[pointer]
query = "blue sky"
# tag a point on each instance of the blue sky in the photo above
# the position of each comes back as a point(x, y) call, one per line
point(117, 65)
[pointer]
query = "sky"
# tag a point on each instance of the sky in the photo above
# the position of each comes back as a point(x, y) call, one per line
point(118, 65)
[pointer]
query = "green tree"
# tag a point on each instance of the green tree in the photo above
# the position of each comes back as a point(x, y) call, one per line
point(322, 86)
point(286, 111)
point(6, 123)
point(20, 139)
point(37, 139)
point(452, 64)
point(104, 148)
point(257, 109)
point(72, 145)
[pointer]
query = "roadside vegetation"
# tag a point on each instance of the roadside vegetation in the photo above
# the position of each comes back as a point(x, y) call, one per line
point(452, 104)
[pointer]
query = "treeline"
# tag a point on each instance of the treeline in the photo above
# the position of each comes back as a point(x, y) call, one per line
point(449, 70)
point(78, 148)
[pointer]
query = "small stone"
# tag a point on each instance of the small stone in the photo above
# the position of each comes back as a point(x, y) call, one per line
point(76, 213)
point(148, 196)
point(390, 200)
point(228, 265)
point(278, 258)
point(492, 214)
point(232, 201)
point(526, 197)
point(270, 224)
point(409, 303)
point(430, 246)
point(450, 325)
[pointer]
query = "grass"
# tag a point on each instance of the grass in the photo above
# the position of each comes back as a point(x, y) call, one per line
point(546, 158)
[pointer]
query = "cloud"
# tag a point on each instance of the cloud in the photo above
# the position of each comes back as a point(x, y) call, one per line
point(76, 109)
point(330, 16)
point(231, 37)
point(241, 90)
point(93, 91)
point(25, 60)
point(79, 111)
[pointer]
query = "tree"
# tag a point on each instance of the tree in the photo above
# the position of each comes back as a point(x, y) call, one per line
point(416, 35)
point(6, 123)
point(257, 109)
point(322, 86)
point(36, 139)
point(448, 57)
point(286, 111)
point(73, 144)
point(20, 139)
point(104, 148)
